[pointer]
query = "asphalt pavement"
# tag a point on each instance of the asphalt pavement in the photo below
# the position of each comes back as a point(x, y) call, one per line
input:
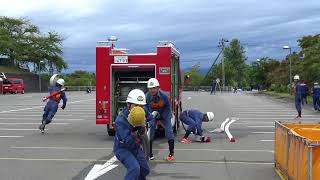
point(74, 147)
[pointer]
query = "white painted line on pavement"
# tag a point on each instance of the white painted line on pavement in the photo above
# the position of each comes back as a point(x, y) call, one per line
point(156, 161)
point(216, 162)
point(254, 122)
point(63, 160)
point(259, 107)
point(66, 119)
point(267, 140)
point(35, 107)
point(266, 112)
point(24, 123)
point(63, 148)
point(222, 150)
point(11, 136)
point(23, 109)
point(262, 132)
point(22, 97)
point(59, 119)
point(260, 126)
point(81, 101)
point(282, 115)
point(275, 118)
point(100, 169)
point(263, 110)
point(164, 149)
point(36, 115)
point(9, 129)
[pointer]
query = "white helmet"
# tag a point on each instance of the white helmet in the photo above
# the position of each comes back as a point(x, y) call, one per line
point(296, 77)
point(210, 116)
point(136, 96)
point(153, 82)
point(60, 81)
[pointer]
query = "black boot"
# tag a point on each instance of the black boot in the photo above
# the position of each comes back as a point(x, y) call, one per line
point(299, 114)
point(170, 157)
point(151, 157)
point(43, 125)
point(171, 146)
point(187, 134)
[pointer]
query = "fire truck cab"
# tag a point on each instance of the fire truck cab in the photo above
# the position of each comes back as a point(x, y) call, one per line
point(118, 72)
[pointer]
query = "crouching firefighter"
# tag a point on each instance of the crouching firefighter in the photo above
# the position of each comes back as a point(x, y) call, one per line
point(56, 94)
point(194, 119)
point(130, 126)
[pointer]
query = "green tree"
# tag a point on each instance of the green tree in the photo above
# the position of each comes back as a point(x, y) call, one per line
point(235, 59)
point(260, 73)
point(310, 65)
point(196, 77)
point(25, 45)
point(236, 70)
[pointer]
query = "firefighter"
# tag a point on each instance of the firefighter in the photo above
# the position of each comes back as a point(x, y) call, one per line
point(194, 119)
point(129, 124)
point(213, 87)
point(304, 92)
point(52, 105)
point(158, 104)
point(316, 96)
point(297, 92)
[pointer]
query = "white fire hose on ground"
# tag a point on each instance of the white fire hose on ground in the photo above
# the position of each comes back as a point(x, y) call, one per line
point(225, 128)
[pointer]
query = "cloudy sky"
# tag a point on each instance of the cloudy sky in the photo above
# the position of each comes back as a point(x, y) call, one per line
point(194, 26)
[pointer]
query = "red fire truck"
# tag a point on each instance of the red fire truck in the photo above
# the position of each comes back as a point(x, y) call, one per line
point(118, 72)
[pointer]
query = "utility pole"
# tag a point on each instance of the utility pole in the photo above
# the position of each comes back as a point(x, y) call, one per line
point(221, 45)
point(40, 75)
point(290, 67)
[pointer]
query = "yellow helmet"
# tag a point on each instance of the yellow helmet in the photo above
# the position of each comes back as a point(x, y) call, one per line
point(137, 116)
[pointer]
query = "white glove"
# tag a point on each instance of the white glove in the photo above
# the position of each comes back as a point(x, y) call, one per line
point(44, 99)
point(155, 114)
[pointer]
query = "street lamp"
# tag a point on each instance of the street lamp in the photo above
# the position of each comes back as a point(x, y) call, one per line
point(39, 75)
point(290, 69)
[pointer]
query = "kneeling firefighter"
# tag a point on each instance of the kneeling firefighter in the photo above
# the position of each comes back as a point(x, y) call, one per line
point(194, 119)
point(130, 126)
point(56, 91)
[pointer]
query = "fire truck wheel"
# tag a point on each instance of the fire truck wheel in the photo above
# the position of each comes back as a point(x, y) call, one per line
point(111, 131)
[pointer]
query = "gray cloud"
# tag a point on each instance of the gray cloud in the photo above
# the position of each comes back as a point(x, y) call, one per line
point(195, 26)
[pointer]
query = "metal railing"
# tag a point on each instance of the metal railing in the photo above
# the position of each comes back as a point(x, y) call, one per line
point(206, 88)
point(80, 88)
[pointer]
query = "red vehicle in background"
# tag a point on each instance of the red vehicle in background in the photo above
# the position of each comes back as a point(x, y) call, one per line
point(13, 85)
point(118, 72)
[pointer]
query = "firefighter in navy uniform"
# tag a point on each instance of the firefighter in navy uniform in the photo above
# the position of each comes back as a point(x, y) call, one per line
point(52, 105)
point(316, 96)
point(298, 95)
point(159, 106)
point(194, 119)
point(129, 125)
